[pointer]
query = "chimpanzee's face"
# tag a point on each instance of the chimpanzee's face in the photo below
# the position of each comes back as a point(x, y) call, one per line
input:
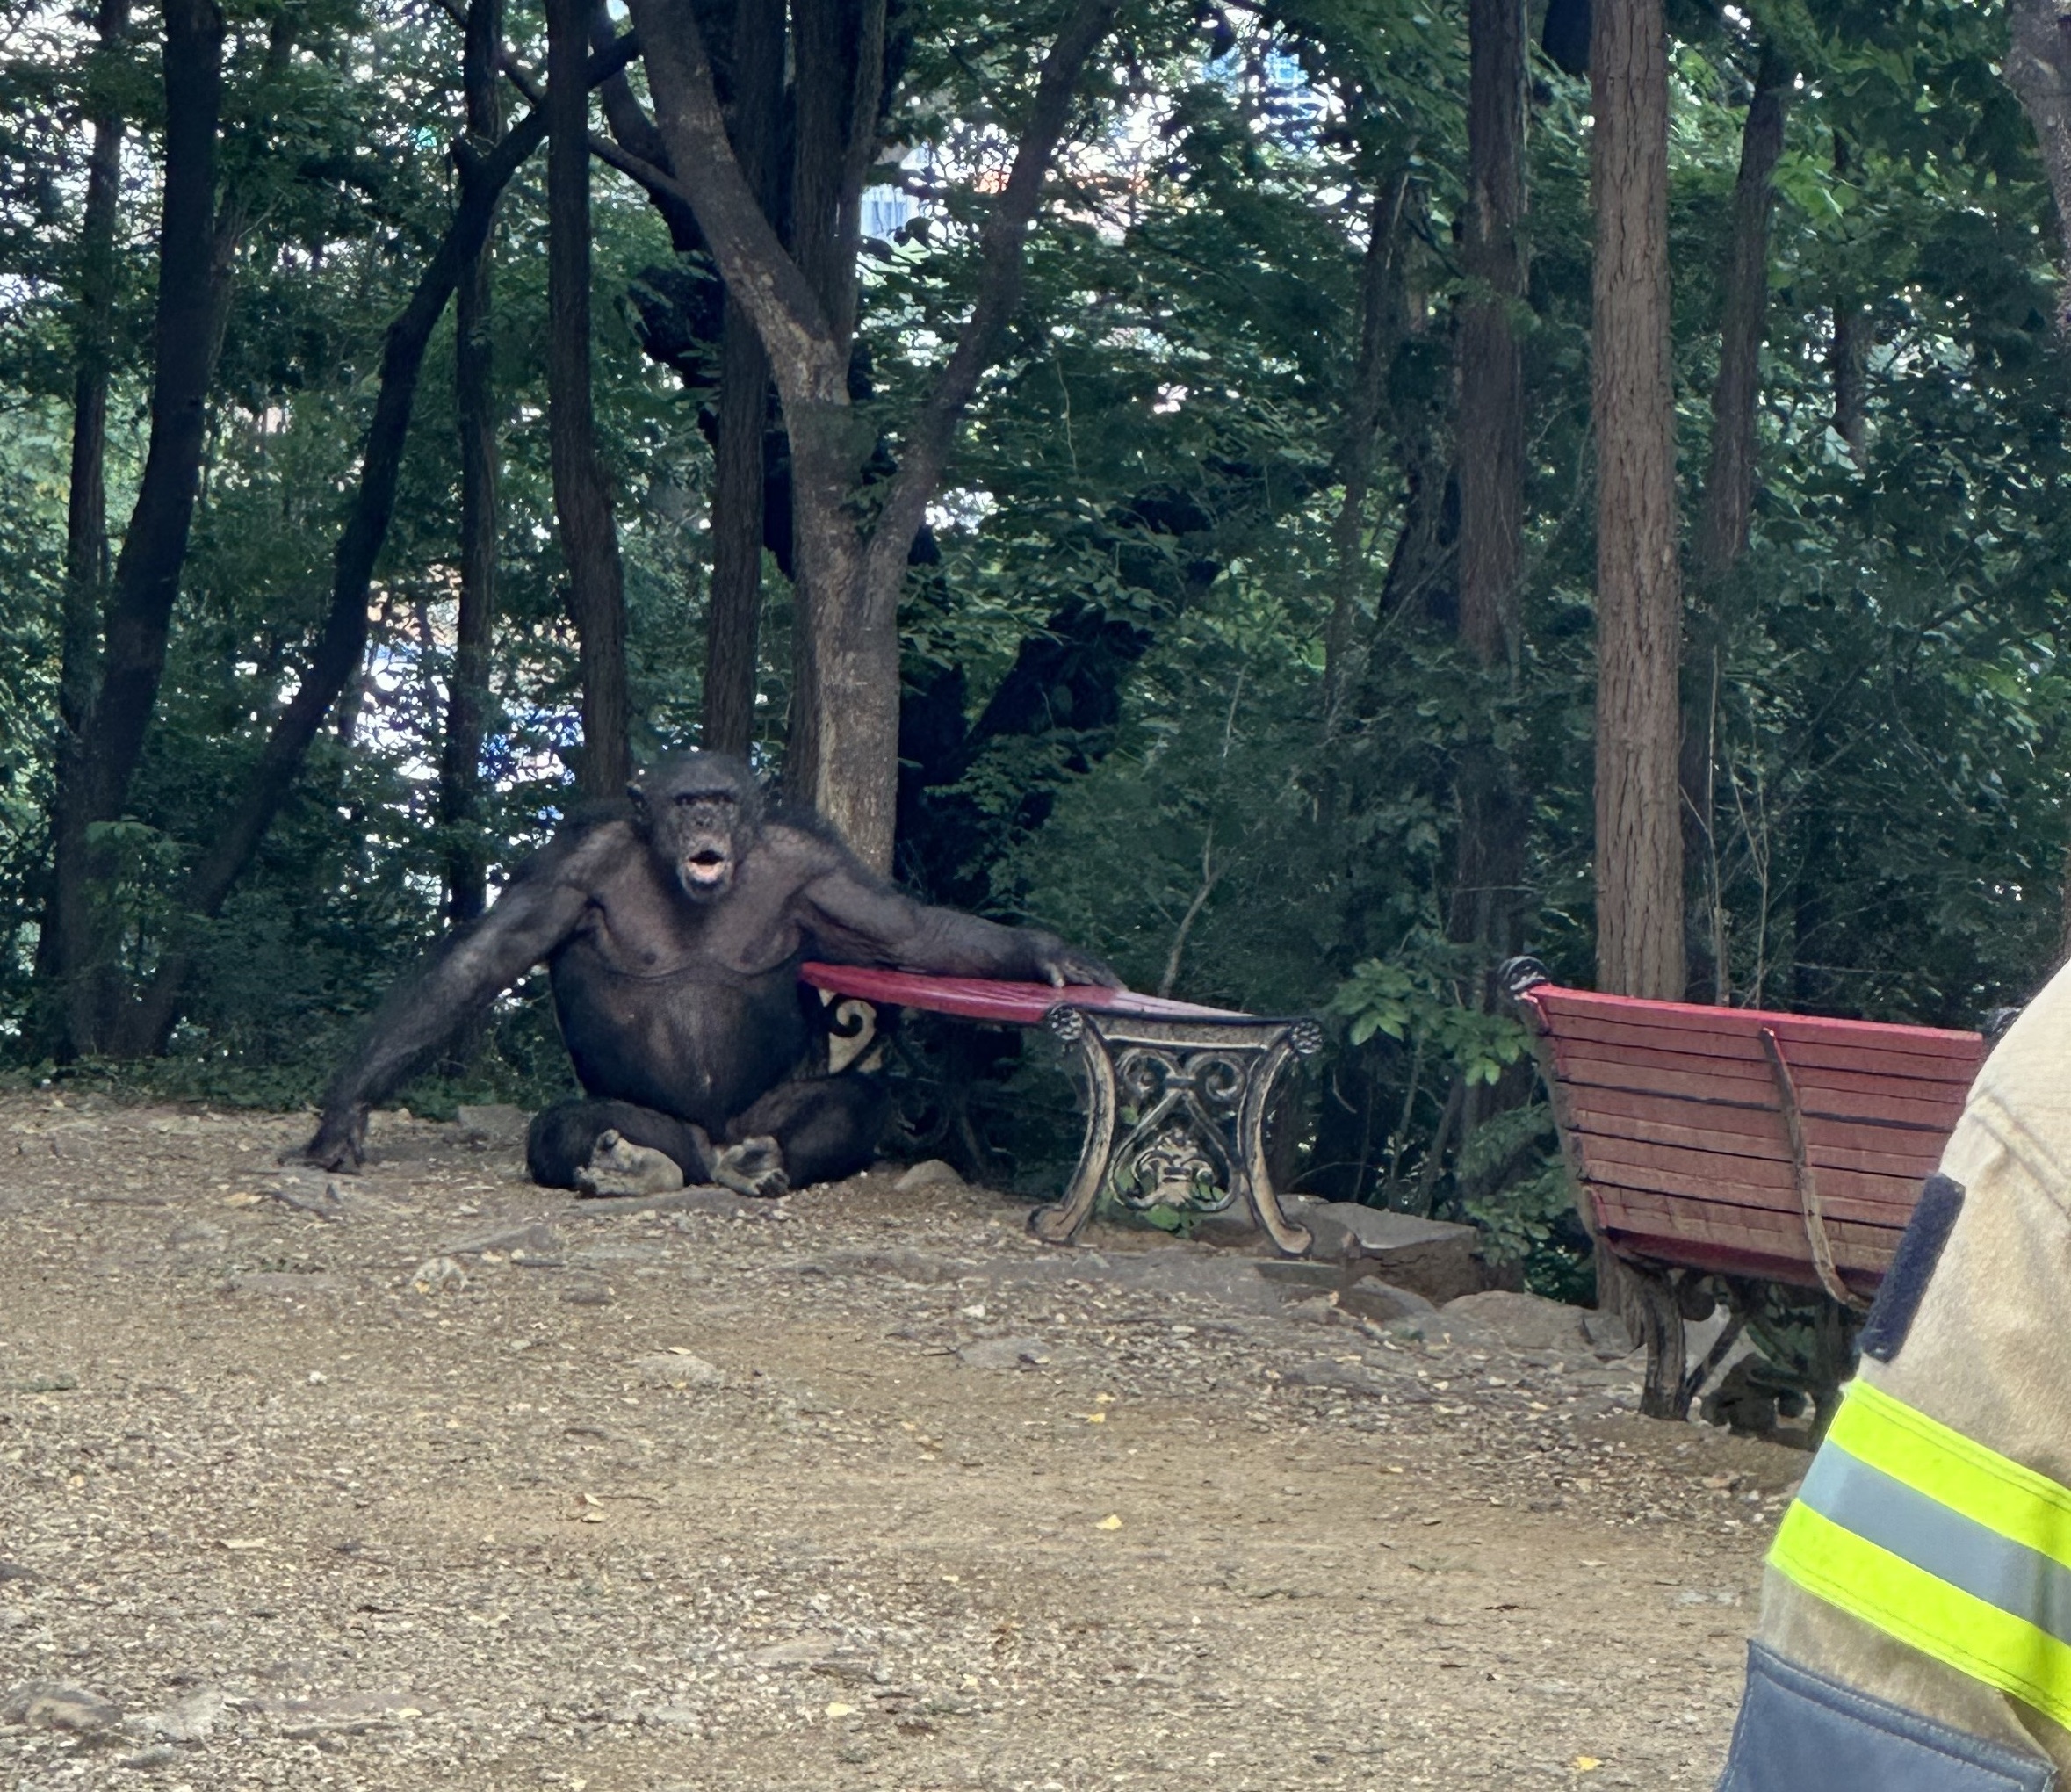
point(700, 816)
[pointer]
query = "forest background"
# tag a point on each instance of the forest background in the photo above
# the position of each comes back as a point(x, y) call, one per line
point(1213, 421)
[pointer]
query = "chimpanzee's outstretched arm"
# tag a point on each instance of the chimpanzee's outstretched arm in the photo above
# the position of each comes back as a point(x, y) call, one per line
point(854, 917)
point(536, 912)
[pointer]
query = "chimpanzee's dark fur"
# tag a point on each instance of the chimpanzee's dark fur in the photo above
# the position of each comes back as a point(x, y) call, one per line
point(673, 930)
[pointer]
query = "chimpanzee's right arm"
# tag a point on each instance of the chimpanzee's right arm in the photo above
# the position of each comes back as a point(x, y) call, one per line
point(536, 912)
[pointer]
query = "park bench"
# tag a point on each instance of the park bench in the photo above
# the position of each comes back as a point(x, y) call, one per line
point(1176, 1095)
point(1718, 1148)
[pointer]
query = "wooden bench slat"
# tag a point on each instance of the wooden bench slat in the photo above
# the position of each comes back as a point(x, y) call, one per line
point(1828, 1090)
point(1750, 1183)
point(1914, 1165)
point(1626, 1114)
point(1579, 1003)
point(1807, 1056)
point(1670, 1218)
point(1852, 1105)
point(1738, 1259)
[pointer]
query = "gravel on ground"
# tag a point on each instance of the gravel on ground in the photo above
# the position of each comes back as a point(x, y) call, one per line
point(428, 1478)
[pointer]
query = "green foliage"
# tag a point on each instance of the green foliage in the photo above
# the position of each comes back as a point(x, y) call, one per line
point(1408, 1003)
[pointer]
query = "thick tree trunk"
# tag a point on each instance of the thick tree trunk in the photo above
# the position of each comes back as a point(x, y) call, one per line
point(1730, 484)
point(845, 680)
point(341, 646)
point(86, 505)
point(95, 766)
point(467, 699)
point(1639, 851)
point(2038, 69)
point(734, 620)
point(843, 752)
point(581, 494)
point(1639, 845)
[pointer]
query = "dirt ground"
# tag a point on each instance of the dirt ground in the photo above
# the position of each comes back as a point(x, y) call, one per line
point(432, 1478)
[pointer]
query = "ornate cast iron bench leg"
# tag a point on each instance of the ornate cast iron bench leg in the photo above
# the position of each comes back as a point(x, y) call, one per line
point(1193, 1094)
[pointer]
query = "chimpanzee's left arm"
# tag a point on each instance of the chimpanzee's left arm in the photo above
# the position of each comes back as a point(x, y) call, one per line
point(851, 917)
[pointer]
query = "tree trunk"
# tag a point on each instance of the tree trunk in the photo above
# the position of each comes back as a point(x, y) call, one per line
point(1639, 845)
point(1379, 326)
point(1723, 521)
point(843, 752)
point(86, 505)
point(1729, 484)
point(1639, 596)
point(94, 774)
point(735, 616)
point(467, 699)
point(2038, 69)
point(1489, 868)
point(341, 646)
point(581, 494)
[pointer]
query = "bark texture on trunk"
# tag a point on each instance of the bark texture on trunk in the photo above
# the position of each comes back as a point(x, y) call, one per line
point(1639, 847)
point(734, 620)
point(842, 755)
point(86, 500)
point(581, 494)
point(1729, 484)
point(474, 405)
point(1639, 843)
point(844, 674)
point(95, 765)
point(2038, 69)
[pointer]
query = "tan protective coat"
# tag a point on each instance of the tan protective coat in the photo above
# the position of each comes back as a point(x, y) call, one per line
point(1988, 1355)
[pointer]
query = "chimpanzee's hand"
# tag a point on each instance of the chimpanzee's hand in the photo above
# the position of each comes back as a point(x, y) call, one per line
point(341, 1141)
point(1058, 964)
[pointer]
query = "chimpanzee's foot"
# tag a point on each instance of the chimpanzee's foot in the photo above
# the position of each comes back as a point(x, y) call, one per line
point(753, 1166)
point(618, 1166)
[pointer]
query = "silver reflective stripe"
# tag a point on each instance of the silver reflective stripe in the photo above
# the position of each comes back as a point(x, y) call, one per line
point(1970, 1556)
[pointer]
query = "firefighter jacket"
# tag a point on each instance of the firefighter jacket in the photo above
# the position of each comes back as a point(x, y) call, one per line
point(1916, 1629)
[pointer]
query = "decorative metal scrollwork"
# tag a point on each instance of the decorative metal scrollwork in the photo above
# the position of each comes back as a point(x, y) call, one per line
point(1181, 1105)
point(852, 1030)
point(1175, 1115)
point(1173, 1172)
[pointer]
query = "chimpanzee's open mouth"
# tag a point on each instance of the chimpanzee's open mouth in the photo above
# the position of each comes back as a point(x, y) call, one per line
point(706, 869)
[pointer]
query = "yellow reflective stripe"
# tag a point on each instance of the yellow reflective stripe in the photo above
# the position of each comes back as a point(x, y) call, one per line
point(1914, 1606)
point(1959, 1472)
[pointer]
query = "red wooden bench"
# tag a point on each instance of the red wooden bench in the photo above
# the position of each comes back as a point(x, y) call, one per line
point(1176, 1093)
point(1738, 1142)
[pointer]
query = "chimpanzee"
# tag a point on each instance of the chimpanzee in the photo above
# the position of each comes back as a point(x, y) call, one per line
point(673, 928)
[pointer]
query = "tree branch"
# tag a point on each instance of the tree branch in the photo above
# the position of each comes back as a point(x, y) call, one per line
point(788, 316)
point(342, 643)
point(512, 71)
point(1003, 243)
